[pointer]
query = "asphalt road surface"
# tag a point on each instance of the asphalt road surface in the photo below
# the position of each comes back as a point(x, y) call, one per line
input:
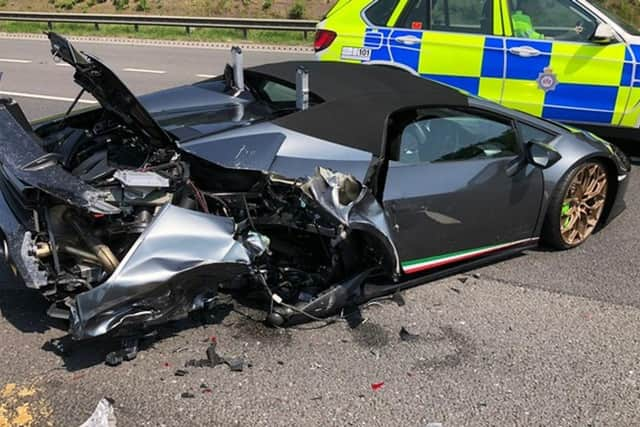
point(546, 338)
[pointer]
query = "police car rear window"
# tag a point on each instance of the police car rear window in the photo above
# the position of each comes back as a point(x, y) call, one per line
point(380, 11)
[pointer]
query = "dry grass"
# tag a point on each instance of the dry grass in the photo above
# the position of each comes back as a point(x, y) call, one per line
point(313, 9)
point(628, 9)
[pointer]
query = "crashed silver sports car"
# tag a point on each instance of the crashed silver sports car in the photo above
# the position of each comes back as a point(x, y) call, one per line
point(308, 186)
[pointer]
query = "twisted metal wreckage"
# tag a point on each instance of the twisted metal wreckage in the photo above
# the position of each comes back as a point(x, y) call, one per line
point(122, 229)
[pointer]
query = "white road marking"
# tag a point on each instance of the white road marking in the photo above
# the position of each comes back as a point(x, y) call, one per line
point(206, 76)
point(16, 61)
point(46, 97)
point(142, 70)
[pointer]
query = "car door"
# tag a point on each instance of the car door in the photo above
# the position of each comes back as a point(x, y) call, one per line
point(448, 191)
point(557, 72)
point(450, 41)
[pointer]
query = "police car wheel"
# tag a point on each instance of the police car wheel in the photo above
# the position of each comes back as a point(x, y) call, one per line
point(576, 208)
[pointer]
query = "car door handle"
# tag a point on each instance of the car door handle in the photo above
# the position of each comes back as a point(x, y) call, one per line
point(525, 51)
point(408, 40)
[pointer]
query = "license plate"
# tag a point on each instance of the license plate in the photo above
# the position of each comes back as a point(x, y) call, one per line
point(357, 53)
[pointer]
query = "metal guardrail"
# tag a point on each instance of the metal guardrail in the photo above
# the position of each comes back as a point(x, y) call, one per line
point(188, 22)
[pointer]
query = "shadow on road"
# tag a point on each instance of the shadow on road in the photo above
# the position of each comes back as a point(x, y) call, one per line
point(79, 355)
point(25, 309)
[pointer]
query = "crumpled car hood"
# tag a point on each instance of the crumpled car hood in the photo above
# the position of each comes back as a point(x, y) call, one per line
point(114, 96)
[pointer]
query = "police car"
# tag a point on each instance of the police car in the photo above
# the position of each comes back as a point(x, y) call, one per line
point(572, 61)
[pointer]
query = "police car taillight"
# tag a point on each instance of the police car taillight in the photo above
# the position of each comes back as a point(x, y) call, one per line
point(323, 40)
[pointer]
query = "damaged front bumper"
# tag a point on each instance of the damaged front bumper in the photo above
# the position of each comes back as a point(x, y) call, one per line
point(174, 268)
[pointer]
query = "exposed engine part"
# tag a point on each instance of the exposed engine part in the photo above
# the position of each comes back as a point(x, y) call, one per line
point(300, 248)
point(134, 179)
point(107, 259)
point(43, 249)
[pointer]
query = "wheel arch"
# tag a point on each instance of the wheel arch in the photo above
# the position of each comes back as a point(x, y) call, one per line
point(612, 191)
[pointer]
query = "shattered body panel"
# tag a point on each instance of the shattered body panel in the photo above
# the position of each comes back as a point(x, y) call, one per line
point(144, 210)
point(27, 162)
point(158, 280)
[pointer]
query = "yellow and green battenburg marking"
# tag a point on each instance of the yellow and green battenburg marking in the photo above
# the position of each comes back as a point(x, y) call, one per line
point(424, 264)
point(595, 83)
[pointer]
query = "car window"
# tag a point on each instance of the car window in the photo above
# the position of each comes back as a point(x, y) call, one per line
point(530, 133)
point(450, 135)
point(551, 19)
point(277, 92)
point(380, 11)
point(460, 16)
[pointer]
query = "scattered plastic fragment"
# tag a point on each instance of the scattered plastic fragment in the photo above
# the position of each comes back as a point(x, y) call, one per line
point(103, 416)
point(317, 398)
point(214, 359)
point(180, 373)
point(407, 336)
point(212, 356)
point(236, 364)
point(167, 364)
point(187, 395)
point(377, 386)
point(456, 290)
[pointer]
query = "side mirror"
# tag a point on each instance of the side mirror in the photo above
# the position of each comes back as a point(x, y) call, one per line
point(603, 34)
point(542, 155)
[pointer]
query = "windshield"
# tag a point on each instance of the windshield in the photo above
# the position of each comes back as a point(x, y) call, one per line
point(606, 8)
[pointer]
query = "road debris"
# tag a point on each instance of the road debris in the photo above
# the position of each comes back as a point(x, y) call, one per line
point(180, 373)
point(187, 395)
point(103, 416)
point(407, 336)
point(128, 352)
point(377, 386)
point(236, 364)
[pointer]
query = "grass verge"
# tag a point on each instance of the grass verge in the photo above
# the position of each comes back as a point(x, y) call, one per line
point(163, 33)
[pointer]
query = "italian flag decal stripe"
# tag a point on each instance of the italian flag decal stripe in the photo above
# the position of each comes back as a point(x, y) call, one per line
point(415, 266)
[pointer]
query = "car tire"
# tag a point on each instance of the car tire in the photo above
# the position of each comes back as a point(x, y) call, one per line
point(575, 209)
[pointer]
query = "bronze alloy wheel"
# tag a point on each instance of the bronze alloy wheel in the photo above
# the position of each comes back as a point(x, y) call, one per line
point(583, 203)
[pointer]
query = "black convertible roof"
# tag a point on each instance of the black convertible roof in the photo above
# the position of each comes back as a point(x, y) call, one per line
point(357, 100)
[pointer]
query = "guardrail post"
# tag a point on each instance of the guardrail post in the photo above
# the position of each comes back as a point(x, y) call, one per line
point(188, 29)
point(136, 27)
point(96, 26)
point(305, 34)
point(245, 33)
point(50, 25)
